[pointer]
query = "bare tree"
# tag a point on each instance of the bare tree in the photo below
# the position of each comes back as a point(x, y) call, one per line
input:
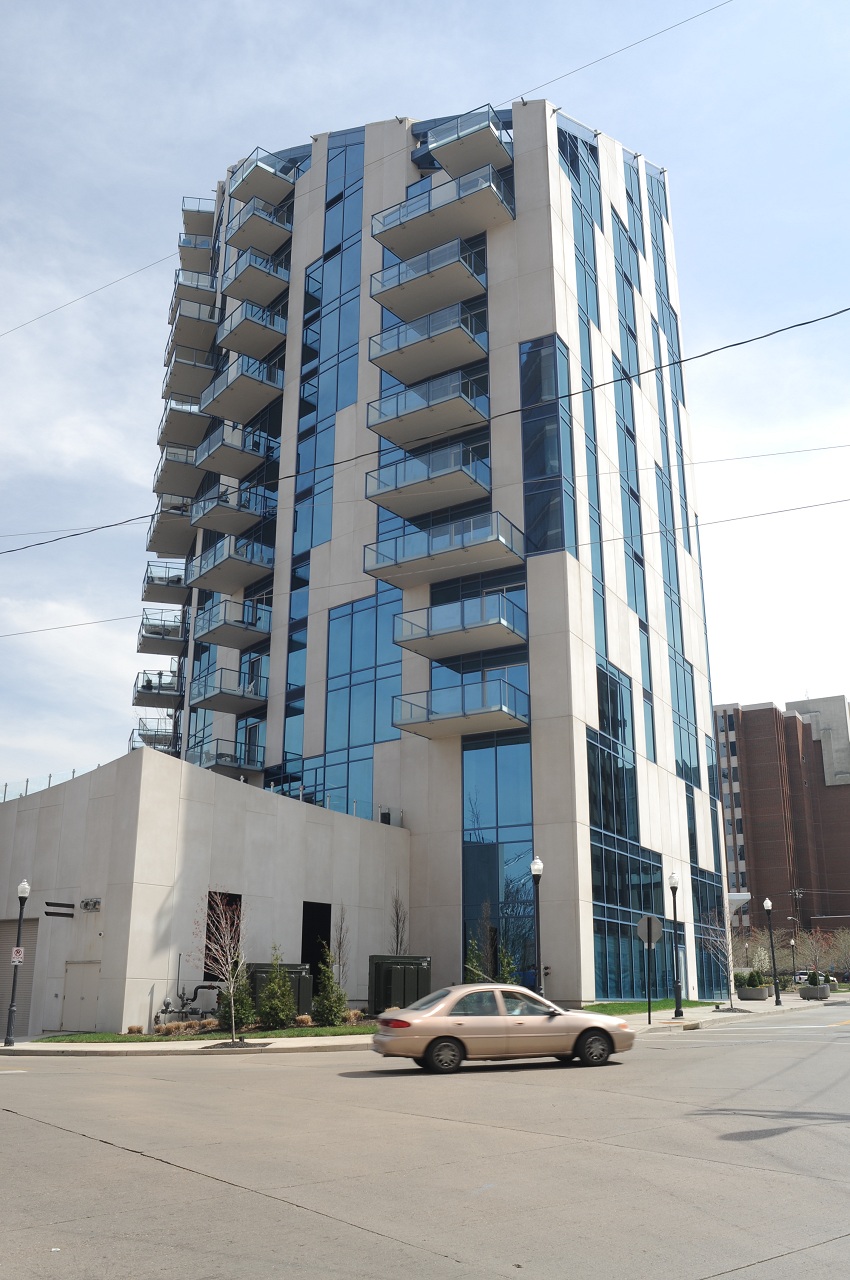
point(840, 951)
point(224, 958)
point(815, 945)
point(398, 945)
point(716, 939)
point(341, 946)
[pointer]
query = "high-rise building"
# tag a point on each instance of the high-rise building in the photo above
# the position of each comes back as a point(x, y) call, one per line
point(785, 786)
point(426, 548)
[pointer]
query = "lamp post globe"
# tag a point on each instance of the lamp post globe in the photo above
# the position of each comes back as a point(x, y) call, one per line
point(23, 894)
point(536, 873)
point(673, 881)
point(768, 908)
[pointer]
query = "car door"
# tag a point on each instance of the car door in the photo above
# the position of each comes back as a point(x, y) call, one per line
point(477, 1020)
point(533, 1029)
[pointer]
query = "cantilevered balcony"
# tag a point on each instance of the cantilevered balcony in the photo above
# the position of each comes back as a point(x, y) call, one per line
point(195, 252)
point(254, 277)
point(230, 566)
point(230, 450)
point(226, 509)
point(233, 759)
point(191, 286)
point(226, 690)
point(182, 422)
point(170, 532)
point(165, 584)
point(177, 472)
point(158, 689)
point(198, 215)
point(158, 734)
point(188, 373)
point(442, 406)
point(478, 544)
point(251, 330)
point(471, 141)
point(264, 175)
point(244, 388)
point(465, 626)
point(450, 273)
point(161, 632)
point(194, 325)
point(486, 707)
point(235, 624)
point(259, 225)
point(477, 202)
point(446, 339)
point(443, 477)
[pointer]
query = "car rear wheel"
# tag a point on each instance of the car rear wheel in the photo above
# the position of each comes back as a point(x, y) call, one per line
point(420, 1062)
point(594, 1049)
point(443, 1056)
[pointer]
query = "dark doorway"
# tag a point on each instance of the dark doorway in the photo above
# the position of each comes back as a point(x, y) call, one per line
point(315, 929)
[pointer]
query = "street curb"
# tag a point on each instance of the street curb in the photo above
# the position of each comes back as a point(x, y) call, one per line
point(187, 1051)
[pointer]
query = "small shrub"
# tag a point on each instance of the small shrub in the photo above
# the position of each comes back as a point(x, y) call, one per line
point(813, 979)
point(172, 1029)
point(243, 1006)
point(134, 1030)
point(329, 1003)
point(190, 1026)
point(159, 1029)
point(353, 1016)
point(276, 1004)
point(785, 983)
point(303, 1020)
point(208, 1024)
point(755, 979)
point(741, 980)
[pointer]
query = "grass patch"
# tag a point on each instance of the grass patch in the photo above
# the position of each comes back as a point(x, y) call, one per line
point(113, 1037)
point(639, 1006)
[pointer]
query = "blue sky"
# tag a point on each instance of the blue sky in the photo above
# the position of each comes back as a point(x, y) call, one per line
point(115, 112)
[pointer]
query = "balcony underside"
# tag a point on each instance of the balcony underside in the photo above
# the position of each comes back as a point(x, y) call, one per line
point(456, 562)
point(432, 494)
point(473, 151)
point(193, 331)
point(241, 399)
point(199, 222)
point(253, 284)
point(232, 635)
point(227, 700)
point(264, 183)
point(424, 294)
point(252, 338)
point(165, 643)
point(431, 422)
point(190, 291)
point(185, 379)
point(487, 720)
point(180, 478)
point(229, 460)
point(437, 645)
point(171, 535)
point(194, 258)
point(169, 590)
point(225, 517)
point(182, 426)
point(259, 232)
point(426, 357)
point(228, 759)
point(230, 575)
point(481, 210)
point(155, 697)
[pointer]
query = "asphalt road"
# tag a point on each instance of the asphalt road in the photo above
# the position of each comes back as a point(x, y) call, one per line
point(699, 1154)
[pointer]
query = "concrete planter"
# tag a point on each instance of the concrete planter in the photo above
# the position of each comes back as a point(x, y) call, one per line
point(820, 992)
point(752, 993)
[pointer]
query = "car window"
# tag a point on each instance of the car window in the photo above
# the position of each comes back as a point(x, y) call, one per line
point(477, 1004)
point(425, 1002)
point(527, 1006)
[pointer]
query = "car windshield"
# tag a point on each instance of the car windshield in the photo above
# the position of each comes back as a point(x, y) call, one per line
point(427, 1001)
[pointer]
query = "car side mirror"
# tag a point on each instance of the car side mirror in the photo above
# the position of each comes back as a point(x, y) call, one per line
point(553, 1013)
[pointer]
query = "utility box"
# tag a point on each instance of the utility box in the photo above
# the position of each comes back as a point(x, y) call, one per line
point(300, 979)
point(396, 981)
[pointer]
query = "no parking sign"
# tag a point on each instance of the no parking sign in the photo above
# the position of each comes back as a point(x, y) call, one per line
point(17, 955)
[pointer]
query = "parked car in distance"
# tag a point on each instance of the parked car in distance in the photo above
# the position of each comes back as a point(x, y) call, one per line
point(496, 1021)
point(823, 977)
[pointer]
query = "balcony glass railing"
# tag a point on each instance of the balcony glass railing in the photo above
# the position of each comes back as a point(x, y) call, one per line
point(187, 357)
point(243, 367)
point(265, 160)
point(187, 241)
point(229, 548)
point(482, 118)
point(200, 312)
point(174, 453)
point(158, 682)
point(161, 574)
point(226, 754)
point(199, 281)
point(428, 466)
point(235, 684)
point(254, 443)
point(233, 613)
point(473, 320)
point(251, 258)
point(258, 502)
point(438, 197)
point(251, 311)
point(158, 625)
point(459, 535)
point(198, 204)
point(459, 701)
point(426, 395)
point(171, 504)
point(257, 208)
point(425, 264)
point(460, 615)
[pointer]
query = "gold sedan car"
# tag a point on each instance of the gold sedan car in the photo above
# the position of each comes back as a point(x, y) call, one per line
point(494, 1020)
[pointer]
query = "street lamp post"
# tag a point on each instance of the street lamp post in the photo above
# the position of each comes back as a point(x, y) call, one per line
point(768, 908)
point(23, 894)
point(673, 881)
point(793, 944)
point(536, 873)
point(746, 955)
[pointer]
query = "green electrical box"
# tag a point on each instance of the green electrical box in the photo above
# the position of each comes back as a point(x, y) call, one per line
point(300, 979)
point(396, 981)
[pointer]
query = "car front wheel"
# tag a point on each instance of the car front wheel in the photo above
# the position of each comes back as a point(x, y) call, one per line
point(594, 1049)
point(443, 1056)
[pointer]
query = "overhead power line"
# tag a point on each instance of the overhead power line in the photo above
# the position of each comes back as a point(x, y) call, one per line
point(68, 626)
point(115, 524)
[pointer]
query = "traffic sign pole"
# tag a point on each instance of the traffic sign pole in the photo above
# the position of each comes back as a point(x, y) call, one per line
point(649, 930)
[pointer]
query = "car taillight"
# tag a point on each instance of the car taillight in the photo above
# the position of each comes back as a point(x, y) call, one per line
point(392, 1022)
